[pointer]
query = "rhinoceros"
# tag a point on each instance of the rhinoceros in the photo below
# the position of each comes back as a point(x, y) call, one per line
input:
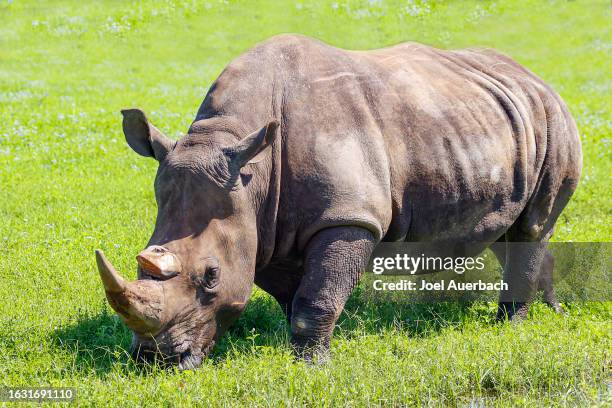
point(303, 157)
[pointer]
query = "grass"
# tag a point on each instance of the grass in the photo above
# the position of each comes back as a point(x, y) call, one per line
point(70, 184)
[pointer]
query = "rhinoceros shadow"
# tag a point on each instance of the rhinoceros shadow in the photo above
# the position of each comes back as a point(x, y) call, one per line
point(101, 342)
point(97, 342)
point(364, 314)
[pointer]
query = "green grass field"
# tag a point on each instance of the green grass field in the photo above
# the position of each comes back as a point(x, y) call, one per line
point(70, 184)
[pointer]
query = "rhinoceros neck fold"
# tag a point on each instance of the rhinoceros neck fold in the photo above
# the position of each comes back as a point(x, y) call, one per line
point(267, 206)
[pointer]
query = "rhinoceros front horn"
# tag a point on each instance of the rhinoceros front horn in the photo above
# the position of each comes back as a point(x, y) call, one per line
point(112, 281)
point(140, 304)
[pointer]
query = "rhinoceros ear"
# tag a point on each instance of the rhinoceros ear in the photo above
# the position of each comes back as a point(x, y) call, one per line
point(143, 137)
point(246, 150)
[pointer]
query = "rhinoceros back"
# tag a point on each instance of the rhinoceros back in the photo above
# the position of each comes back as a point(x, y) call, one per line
point(411, 142)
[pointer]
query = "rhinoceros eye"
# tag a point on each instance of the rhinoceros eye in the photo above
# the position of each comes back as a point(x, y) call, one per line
point(209, 276)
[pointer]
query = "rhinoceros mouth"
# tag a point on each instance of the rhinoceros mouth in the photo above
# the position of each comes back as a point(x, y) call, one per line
point(186, 355)
point(189, 361)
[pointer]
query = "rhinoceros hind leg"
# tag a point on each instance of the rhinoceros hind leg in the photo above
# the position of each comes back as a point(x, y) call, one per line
point(545, 283)
point(523, 262)
point(334, 260)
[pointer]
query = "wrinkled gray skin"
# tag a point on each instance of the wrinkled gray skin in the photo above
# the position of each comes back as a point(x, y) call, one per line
point(407, 143)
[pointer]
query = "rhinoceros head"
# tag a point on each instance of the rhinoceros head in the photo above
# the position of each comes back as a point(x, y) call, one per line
point(196, 274)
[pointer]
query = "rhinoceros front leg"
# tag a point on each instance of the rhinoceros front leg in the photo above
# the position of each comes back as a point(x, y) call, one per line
point(334, 260)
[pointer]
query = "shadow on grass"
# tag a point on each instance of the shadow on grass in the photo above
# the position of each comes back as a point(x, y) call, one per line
point(364, 314)
point(264, 325)
point(100, 343)
point(97, 342)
